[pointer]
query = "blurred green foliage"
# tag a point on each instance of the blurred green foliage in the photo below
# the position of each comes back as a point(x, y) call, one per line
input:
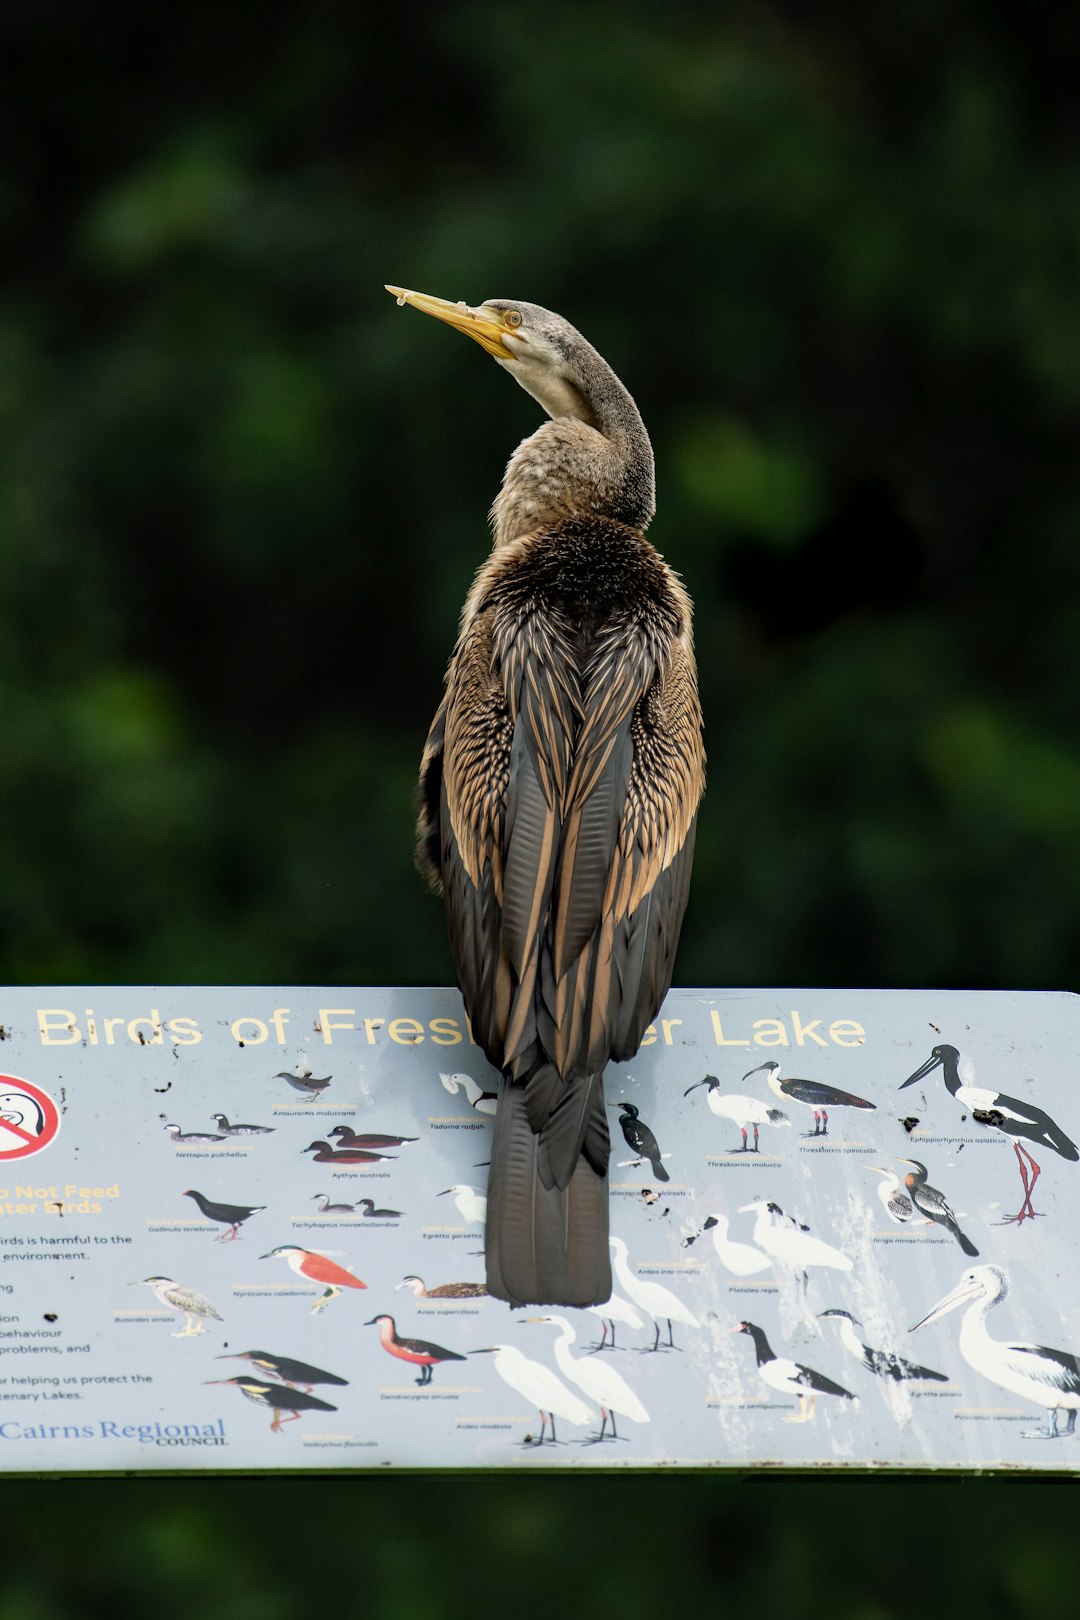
point(833, 251)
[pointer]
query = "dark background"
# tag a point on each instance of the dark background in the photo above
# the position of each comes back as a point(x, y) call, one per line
point(834, 252)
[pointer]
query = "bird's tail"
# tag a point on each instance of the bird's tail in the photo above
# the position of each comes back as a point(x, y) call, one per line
point(546, 1235)
point(964, 1242)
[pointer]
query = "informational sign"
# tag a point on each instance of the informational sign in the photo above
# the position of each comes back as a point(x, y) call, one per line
point(242, 1229)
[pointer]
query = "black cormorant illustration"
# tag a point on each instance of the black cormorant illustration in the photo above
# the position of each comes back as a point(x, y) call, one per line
point(640, 1139)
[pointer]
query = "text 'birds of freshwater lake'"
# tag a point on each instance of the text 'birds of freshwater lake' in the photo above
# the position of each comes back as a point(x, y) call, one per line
point(243, 1229)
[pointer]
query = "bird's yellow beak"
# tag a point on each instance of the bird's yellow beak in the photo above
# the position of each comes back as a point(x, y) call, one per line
point(485, 325)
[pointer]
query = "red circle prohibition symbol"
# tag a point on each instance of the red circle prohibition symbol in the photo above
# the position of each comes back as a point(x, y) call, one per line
point(29, 1119)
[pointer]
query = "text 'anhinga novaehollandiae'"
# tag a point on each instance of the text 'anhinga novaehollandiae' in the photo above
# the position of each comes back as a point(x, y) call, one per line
point(560, 787)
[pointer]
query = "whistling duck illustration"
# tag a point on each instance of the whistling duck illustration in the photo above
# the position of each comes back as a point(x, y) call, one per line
point(651, 1297)
point(598, 1381)
point(1020, 1121)
point(454, 1290)
point(1048, 1378)
point(931, 1203)
point(285, 1368)
point(883, 1363)
point(790, 1244)
point(227, 1129)
point(811, 1093)
point(195, 1308)
point(484, 1102)
point(640, 1139)
point(192, 1138)
point(348, 1138)
point(276, 1398)
point(325, 1154)
point(301, 1079)
point(539, 1386)
point(740, 1110)
point(790, 1377)
point(317, 1268)
point(417, 1352)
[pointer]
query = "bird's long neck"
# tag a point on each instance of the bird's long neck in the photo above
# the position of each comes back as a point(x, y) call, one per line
point(593, 459)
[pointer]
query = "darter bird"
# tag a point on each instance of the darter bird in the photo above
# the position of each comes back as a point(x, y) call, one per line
point(559, 794)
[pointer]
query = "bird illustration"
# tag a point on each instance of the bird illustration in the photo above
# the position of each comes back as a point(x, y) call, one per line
point(1048, 1378)
point(325, 1154)
point(811, 1093)
point(327, 1208)
point(539, 1386)
point(741, 1259)
point(366, 1206)
point(471, 1206)
point(883, 1363)
point(598, 1382)
point(276, 1398)
point(931, 1203)
point(481, 1101)
point(24, 1112)
point(417, 1352)
point(790, 1244)
point(231, 1216)
point(741, 1110)
point(640, 1139)
point(454, 1290)
point(348, 1138)
point(790, 1377)
point(285, 1368)
point(651, 1297)
point(559, 793)
point(1020, 1121)
point(301, 1079)
point(241, 1130)
point(615, 1309)
point(192, 1138)
point(315, 1267)
point(195, 1308)
point(894, 1200)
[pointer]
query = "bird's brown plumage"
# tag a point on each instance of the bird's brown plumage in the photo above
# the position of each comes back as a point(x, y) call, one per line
point(559, 794)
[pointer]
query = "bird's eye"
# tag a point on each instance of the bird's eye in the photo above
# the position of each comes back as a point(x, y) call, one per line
point(513, 317)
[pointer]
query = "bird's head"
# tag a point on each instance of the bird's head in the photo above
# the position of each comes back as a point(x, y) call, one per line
point(742, 1327)
point(710, 1080)
point(540, 350)
point(375, 1321)
point(846, 1315)
point(939, 1056)
point(981, 1282)
point(770, 1068)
